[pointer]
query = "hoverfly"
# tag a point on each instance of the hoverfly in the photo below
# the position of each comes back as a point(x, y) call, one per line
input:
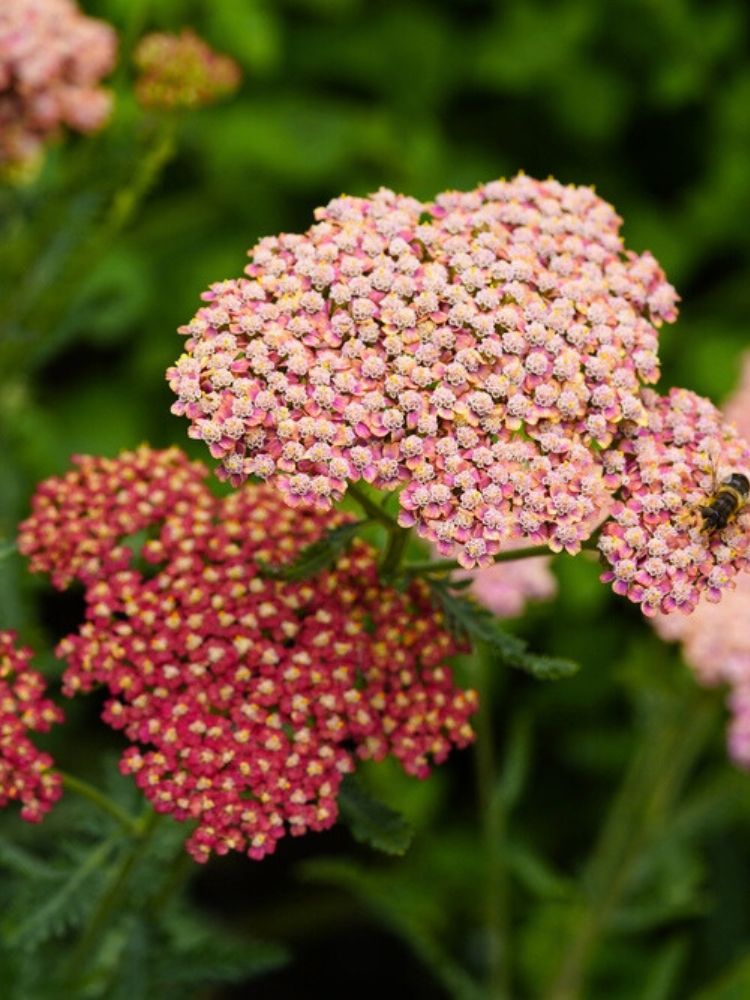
point(720, 506)
point(728, 498)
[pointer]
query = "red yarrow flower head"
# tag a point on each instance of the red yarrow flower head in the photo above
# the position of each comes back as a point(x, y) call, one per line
point(245, 699)
point(52, 59)
point(656, 543)
point(475, 352)
point(26, 774)
point(79, 520)
point(182, 71)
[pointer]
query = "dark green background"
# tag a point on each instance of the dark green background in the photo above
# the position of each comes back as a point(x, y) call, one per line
point(647, 100)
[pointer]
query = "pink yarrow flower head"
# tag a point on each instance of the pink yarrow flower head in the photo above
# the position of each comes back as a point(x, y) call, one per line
point(52, 59)
point(475, 352)
point(715, 638)
point(26, 774)
point(661, 553)
point(737, 408)
point(182, 71)
point(716, 645)
point(245, 700)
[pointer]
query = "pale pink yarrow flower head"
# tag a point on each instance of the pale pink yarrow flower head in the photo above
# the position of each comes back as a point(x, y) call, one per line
point(715, 638)
point(52, 60)
point(660, 554)
point(738, 735)
point(737, 408)
point(475, 351)
point(715, 641)
point(26, 774)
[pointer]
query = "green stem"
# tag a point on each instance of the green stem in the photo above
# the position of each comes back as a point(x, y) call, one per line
point(493, 824)
point(37, 321)
point(102, 801)
point(398, 537)
point(372, 509)
point(182, 865)
point(111, 899)
point(649, 789)
point(394, 551)
point(446, 565)
point(138, 14)
point(529, 552)
point(127, 199)
point(8, 549)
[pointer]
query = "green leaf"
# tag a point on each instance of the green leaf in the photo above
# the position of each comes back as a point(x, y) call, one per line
point(398, 905)
point(7, 549)
point(548, 668)
point(664, 971)
point(638, 918)
point(20, 861)
point(732, 985)
point(318, 556)
point(219, 960)
point(64, 908)
point(535, 874)
point(469, 620)
point(515, 769)
point(198, 952)
point(371, 821)
point(132, 975)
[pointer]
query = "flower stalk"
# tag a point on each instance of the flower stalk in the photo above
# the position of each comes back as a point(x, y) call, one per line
point(492, 821)
point(394, 551)
point(103, 802)
point(372, 509)
point(650, 788)
point(113, 897)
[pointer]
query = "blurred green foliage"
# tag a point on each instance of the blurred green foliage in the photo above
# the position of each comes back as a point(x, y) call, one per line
point(615, 831)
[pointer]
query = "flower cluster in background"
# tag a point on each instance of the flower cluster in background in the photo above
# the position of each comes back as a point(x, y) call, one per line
point(715, 640)
point(52, 59)
point(245, 699)
point(26, 774)
point(505, 587)
point(477, 350)
point(182, 71)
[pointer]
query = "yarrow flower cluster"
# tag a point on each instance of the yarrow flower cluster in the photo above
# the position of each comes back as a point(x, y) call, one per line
point(80, 519)
point(25, 771)
point(52, 59)
point(716, 644)
point(476, 352)
point(715, 638)
point(246, 700)
point(182, 71)
point(655, 542)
